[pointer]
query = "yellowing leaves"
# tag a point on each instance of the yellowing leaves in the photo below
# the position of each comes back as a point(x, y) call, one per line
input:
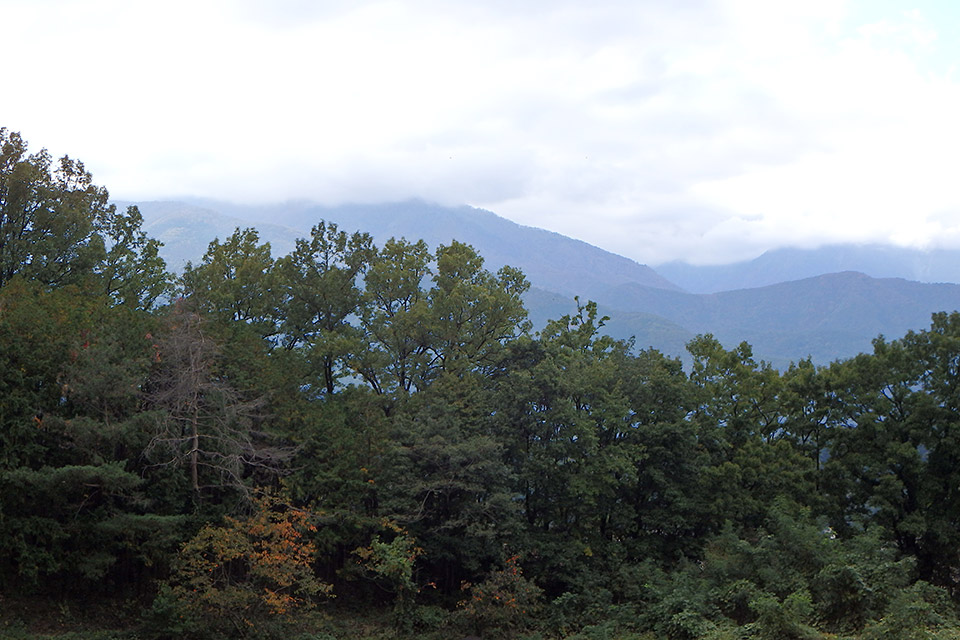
point(247, 568)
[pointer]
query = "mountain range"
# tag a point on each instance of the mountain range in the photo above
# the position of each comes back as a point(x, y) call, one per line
point(789, 263)
point(789, 304)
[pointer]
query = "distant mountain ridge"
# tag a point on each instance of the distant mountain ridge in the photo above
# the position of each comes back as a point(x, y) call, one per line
point(553, 261)
point(826, 316)
point(186, 230)
point(785, 264)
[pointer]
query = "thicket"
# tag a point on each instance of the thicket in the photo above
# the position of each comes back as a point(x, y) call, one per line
point(266, 446)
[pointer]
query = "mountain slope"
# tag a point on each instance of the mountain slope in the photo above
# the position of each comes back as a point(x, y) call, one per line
point(186, 230)
point(827, 317)
point(646, 329)
point(550, 260)
point(781, 265)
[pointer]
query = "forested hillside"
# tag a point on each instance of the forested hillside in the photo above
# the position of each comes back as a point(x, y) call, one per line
point(355, 440)
point(785, 310)
point(558, 263)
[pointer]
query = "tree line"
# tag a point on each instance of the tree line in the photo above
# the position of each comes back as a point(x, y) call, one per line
point(259, 440)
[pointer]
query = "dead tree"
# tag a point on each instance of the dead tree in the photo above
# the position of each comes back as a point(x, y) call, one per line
point(204, 423)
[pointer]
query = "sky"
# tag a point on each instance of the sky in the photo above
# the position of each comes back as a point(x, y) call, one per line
point(701, 130)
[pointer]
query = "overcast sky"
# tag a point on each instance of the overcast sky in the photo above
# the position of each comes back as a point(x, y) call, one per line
point(705, 130)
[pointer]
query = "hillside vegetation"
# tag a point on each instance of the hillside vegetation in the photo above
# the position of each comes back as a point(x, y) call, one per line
point(366, 440)
point(787, 309)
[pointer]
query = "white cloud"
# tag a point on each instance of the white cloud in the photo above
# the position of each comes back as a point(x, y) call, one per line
point(708, 130)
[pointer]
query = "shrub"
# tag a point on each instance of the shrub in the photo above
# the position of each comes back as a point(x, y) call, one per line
point(505, 601)
point(246, 578)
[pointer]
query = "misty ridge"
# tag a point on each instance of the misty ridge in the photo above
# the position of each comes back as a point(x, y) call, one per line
point(788, 304)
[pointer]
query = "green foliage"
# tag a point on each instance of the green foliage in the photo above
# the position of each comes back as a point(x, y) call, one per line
point(318, 295)
point(858, 584)
point(394, 358)
point(607, 471)
point(916, 613)
point(392, 561)
point(448, 482)
point(783, 620)
point(393, 564)
point(400, 386)
point(58, 228)
point(84, 527)
point(894, 461)
point(472, 311)
point(48, 216)
point(343, 454)
point(234, 282)
point(71, 434)
point(132, 271)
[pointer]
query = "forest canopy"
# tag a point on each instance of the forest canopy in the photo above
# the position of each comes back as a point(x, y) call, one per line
point(247, 447)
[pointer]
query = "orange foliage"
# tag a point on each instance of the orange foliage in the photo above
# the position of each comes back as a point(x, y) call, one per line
point(502, 600)
point(248, 568)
